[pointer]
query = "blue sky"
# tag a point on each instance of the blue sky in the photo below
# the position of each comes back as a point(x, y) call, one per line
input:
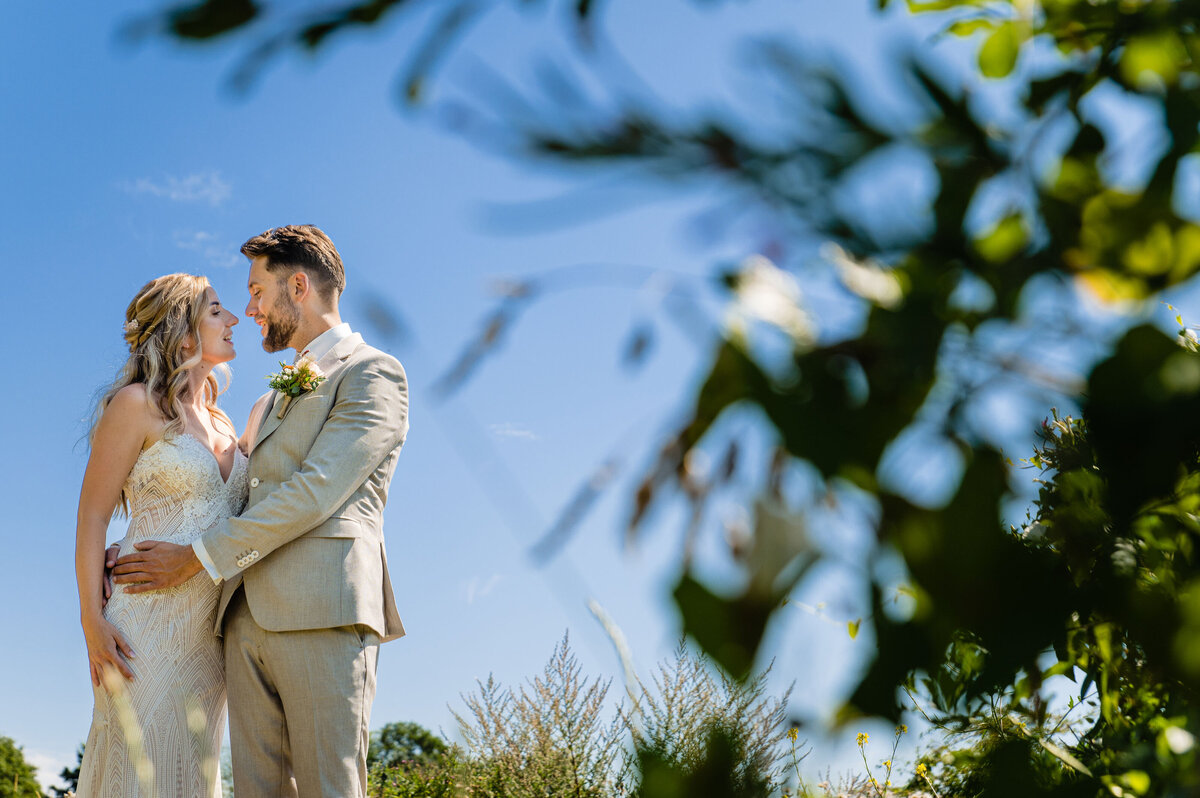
point(121, 163)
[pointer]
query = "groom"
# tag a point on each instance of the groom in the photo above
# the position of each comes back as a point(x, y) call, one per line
point(306, 598)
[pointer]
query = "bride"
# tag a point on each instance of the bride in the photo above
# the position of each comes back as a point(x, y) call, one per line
point(166, 455)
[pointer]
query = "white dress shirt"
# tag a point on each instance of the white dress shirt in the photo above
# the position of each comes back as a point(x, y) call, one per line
point(317, 348)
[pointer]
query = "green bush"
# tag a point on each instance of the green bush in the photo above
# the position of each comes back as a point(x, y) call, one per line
point(437, 777)
point(559, 735)
point(17, 777)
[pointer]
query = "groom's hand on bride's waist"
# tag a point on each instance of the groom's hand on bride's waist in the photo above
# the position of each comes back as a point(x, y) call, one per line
point(155, 565)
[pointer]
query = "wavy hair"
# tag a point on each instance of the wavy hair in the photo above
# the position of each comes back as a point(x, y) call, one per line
point(157, 324)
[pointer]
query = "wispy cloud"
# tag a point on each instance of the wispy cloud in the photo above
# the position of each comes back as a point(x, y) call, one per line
point(510, 430)
point(218, 253)
point(48, 765)
point(478, 588)
point(201, 187)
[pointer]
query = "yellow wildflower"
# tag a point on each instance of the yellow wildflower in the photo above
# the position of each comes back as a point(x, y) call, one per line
point(862, 739)
point(793, 733)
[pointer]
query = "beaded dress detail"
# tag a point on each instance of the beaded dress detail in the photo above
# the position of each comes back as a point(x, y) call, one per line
point(176, 702)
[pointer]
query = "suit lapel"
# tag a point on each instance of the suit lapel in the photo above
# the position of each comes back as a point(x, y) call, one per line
point(328, 364)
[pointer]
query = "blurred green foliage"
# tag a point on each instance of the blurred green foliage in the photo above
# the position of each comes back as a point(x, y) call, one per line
point(1110, 591)
point(18, 779)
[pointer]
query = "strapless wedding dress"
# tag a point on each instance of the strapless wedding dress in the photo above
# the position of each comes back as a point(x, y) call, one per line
point(163, 733)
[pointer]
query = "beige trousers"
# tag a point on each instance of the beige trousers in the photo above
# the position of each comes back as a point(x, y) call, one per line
point(299, 707)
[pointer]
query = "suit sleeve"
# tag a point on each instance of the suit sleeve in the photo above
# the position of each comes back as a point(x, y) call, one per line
point(368, 421)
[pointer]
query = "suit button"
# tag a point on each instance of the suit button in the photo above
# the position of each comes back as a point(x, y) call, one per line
point(254, 482)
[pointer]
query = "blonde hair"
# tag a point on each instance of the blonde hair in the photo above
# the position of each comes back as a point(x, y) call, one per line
point(157, 324)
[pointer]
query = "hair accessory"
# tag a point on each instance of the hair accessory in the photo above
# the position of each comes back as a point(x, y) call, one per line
point(132, 326)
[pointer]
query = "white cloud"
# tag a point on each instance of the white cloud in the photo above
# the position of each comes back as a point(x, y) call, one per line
point(477, 588)
point(48, 765)
point(201, 187)
point(510, 430)
point(219, 254)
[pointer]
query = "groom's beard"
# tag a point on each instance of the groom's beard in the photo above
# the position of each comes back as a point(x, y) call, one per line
point(282, 324)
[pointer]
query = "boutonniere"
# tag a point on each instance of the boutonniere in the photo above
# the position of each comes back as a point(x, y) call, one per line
point(293, 380)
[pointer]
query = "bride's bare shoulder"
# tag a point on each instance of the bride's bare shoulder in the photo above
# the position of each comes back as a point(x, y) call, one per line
point(134, 399)
point(134, 408)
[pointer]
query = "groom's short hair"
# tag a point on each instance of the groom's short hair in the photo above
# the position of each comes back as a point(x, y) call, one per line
point(301, 246)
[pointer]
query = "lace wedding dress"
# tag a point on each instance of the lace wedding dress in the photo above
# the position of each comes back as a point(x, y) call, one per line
point(160, 737)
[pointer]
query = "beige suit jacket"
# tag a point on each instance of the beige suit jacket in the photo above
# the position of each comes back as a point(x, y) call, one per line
point(308, 549)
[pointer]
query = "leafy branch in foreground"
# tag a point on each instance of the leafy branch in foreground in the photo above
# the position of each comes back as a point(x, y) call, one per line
point(964, 284)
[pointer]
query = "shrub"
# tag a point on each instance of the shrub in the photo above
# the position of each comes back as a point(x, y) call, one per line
point(558, 736)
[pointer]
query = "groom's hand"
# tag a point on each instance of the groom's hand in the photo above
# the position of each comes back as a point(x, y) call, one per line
point(110, 559)
point(156, 565)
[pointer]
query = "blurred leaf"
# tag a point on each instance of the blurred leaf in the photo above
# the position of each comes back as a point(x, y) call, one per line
point(920, 6)
point(1043, 90)
point(436, 44)
point(1004, 241)
point(1152, 58)
point(210, 18)
point(719, 773)
point(637, 345)
point(1143, 406)
point(999, 52)
point(728, 630)
point(965, 27)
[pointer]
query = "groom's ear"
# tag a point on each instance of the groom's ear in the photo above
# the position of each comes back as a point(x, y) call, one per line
point(299, 285)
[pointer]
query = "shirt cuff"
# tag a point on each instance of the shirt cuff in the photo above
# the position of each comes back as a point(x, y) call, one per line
point(206, 561)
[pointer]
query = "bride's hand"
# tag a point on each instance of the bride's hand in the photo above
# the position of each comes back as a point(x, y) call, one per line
point(107, 648)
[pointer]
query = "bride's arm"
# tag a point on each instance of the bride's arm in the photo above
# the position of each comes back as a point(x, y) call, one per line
point(120, 434)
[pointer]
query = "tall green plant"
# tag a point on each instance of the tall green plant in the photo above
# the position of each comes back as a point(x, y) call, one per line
point(688, 713)
point(547, 738)
point(560, 736)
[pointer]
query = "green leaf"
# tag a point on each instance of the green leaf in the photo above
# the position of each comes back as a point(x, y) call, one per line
point(920, 6)
point(729, 630)
point(852, 627)
point(211, 18)
point(965, 27)
point(1143, 409)
point(1152, 60)
point(999, 52)
point(1154, 254)
point(1004, 241)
